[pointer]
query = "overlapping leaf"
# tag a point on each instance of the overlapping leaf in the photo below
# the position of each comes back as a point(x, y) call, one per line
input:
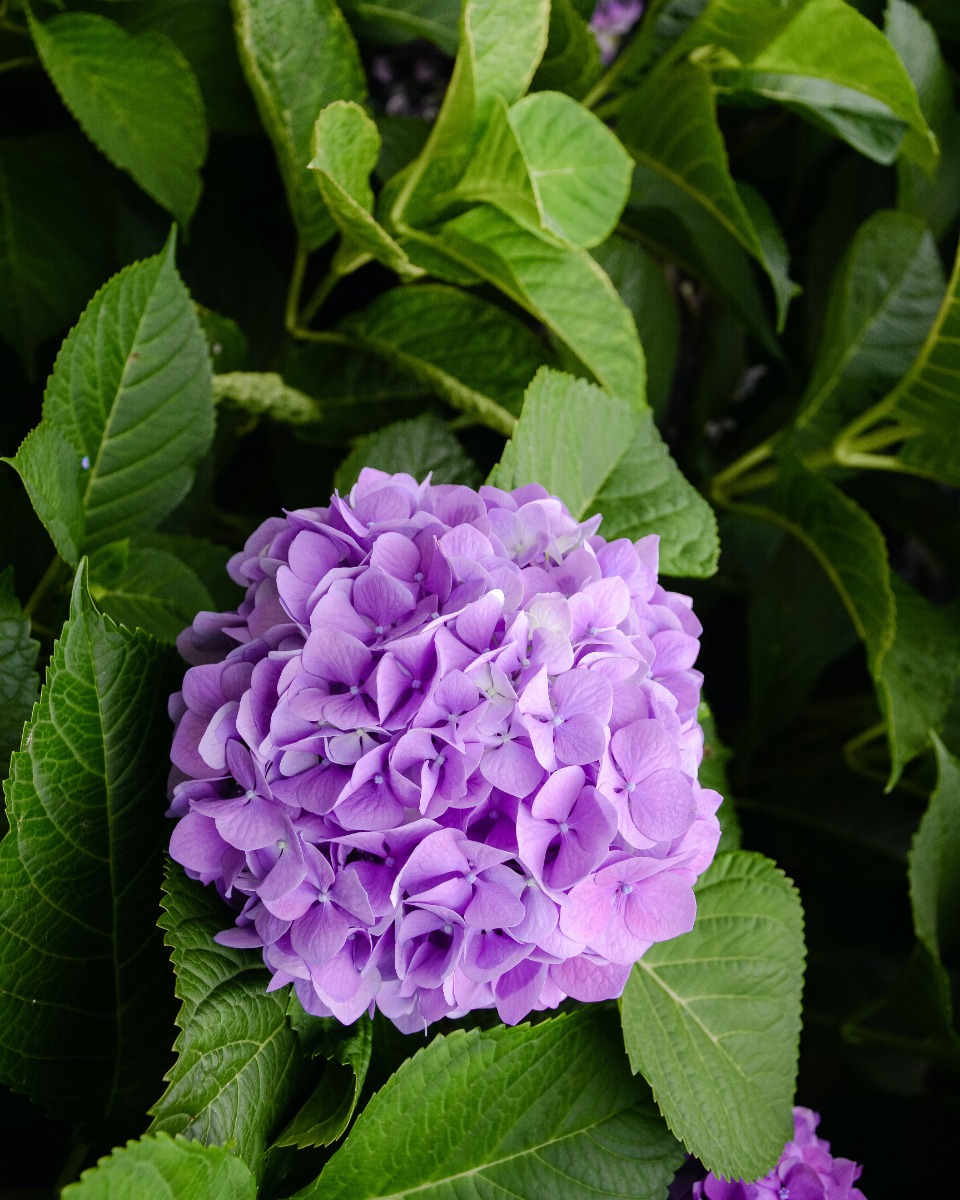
point(598, 455)
point(158, 1168)
point(419, 446)
point(19, 682)
point(84, 1014)
point(145, 588)
point(712, 1018)
point(544, 1111)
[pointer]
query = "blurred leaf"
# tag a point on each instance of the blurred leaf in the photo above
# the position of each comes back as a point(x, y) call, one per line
point(834, 67)
point(127, 412)
point(664, 22)
point(346, 146)
point(501, 43)
point(724, 1000)
point(402, 140)
point(571, 61)
point(936, 200)
point(19, 681)
point(298, 57)
point(561, 286)
point(83, 1002)
point(135, 97)
point(264, 394)
point(416, 447)
point(934, 869)
point(157, 1168)
point(544, 1111)
point(326, 1113)
point(52, 240)
point(238, 1064)
point(465, 338)
point(206, 559)
point(550, 164)
point(670, 127)
point(599, 455)
point(147, 589)
point(643, 288)
point(713, 774)
point(397, 20)
point(225, 341)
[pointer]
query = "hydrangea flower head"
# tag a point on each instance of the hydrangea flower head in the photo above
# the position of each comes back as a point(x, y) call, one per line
point(444, 754)
point(806, 1171)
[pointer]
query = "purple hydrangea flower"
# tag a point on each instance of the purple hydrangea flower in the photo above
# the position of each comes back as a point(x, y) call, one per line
point(611, 21)
point(444, 755)
point(806, 1171)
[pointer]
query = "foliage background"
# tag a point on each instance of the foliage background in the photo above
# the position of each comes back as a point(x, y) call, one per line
point(800, 332)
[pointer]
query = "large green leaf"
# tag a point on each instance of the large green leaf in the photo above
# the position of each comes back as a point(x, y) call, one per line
point(935, 862)
point(52, 240)
point(135, 97)
point(742, 28)
point(834, 67)
point(551, 164)
point(712, 1018)
point(84, 1020)
point(670, 127)
point(238, 1064)
point(571, 62)
point(19, 682)
point(544, 1111)
point(298, 56)
point(599, 455)
point(162, 1167)
point(146, 588)
point(561, 286)
point(883, 300)
point(501, 43)
point(417, 446)
point(452, 339)
point(127, 412)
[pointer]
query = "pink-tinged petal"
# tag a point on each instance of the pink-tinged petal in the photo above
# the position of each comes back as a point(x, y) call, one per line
point(663, 806)
point(196, 845)
point(513, 768)
point(319, 933)
point(660, 907)
point(518, 990)
point(580, 739)
point(336, 656)
point(252, 824)
point(559, 794)
point(464, 541)
point(643, 747)
point(493, 907)
point(579, 691)
point(676, 651)
point(585, 979)
point(294, 904)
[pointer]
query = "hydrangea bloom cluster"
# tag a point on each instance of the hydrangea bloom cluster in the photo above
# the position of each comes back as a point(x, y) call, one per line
point(806, 1171)
point(445, 753)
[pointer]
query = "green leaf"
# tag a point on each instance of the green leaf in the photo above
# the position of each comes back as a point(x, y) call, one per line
point(238, 1064)
point(146, 589)
point(559, 285)
point(599, 455)
point(83, 995)
point(346, 146)
point(417, 447)
point(712, 1018)
point(551, 164)
point(935, 200)
point(19, 682)
point(643, 288)
point(208, 561)
point(264, 394)
point(670, 127)
point(544, 1111)
point(884, 298)
point(326, 1114)
point(52, 241)
point(158, 1168)
point(135, 97)
point(571, 62)
point(225, 341)
point(399, 20)
point(298, 57)
point(501, 43)
point(130, 394)
point(664, 22)
point(834, 67)
point(713, 774)
point(934, 864)
point(469, 342)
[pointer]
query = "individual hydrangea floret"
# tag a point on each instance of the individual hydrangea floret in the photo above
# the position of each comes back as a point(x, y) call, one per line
point(444, 755)
point(806, 1171)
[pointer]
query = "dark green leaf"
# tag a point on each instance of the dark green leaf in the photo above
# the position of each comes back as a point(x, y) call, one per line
point(935, 862)
point(19, 682)
point(207, 560)
point(398, 20)
point(571, 62)
point(713, 774)
point(159, 1168)
point(137, 100)
point(238, 1064)
point(225, 341)
point(83, 994)
point(543, 1111)
point(52, 241)
point(146, 589)
point(561, 286)
point(127, 412)
point(599, 455)
point(298, 57)
point(712, 1018)
point(417, 447)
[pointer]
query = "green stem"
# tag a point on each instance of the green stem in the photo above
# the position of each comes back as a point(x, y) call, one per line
point(12, 64)
point(295, 288)
point(602, 86)
point(47, 580)
point(71, 1165)
point(318, 299)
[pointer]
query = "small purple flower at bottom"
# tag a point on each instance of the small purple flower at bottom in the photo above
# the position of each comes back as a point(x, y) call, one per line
point(806, 1171)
